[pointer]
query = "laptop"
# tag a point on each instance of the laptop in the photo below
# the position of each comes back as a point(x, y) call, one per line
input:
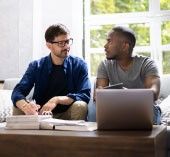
point(124, 109)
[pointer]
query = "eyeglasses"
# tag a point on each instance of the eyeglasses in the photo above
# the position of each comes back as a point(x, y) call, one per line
point(64, 42)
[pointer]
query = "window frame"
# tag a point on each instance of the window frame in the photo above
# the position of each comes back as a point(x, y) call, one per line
point(154, 17)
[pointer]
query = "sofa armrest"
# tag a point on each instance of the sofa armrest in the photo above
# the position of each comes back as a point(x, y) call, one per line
point(165, 84)
point(10, 83)
point(5, 104)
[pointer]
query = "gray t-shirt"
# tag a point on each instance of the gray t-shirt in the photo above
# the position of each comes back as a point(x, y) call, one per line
point(134, 77)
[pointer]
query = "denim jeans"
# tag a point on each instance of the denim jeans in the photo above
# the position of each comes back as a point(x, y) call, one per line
point(156, 115)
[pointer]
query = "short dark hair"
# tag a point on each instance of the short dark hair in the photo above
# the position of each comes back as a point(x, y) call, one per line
point(54, 31)
point(127, 33)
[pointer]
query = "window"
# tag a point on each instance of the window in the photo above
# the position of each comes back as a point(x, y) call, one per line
point(150, 20)
point(164, 5)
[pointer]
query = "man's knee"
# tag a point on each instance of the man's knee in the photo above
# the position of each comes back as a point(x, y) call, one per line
point(17, 111)
point(78, 110)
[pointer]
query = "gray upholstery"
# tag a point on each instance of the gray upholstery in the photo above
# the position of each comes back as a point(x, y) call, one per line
point(165, 84)
point(10, 83)
point(5, 104)
point(164, 92)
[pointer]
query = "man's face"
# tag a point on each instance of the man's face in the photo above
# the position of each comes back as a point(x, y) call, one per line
point(60, 46)
point(113, 46)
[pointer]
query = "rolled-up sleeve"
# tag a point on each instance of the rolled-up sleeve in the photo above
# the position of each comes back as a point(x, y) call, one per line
point(82, 84)
point(25, 85)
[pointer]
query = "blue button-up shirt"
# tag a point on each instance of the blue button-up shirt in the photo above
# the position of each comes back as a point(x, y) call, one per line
point(37, 76)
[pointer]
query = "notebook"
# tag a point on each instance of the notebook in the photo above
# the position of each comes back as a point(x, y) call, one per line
point(124, 109)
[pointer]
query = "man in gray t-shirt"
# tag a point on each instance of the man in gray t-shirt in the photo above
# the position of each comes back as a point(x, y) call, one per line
point(121, 66)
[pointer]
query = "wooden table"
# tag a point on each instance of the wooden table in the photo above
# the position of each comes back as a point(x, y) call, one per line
point(48, 143)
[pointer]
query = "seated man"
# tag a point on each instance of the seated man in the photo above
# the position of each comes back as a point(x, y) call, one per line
point(121, 66)
point(61, 83)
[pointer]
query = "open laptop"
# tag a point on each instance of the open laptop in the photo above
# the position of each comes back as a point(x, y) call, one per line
point(124, 109)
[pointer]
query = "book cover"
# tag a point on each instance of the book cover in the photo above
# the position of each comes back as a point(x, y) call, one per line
point(88, 126)
point(26, 118)
point(63, 122)
point(26, 125)
point(25, 121)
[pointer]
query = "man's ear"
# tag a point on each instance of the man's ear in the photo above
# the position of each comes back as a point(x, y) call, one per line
point(126, 46)
point(48, 45)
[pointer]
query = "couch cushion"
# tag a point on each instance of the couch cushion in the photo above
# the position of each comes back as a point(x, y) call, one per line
point(168, 136)
point(165, 83)
point(10, 83)
point(165, 108)
point(5, 104)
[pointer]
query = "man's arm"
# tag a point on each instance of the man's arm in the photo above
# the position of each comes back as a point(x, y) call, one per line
point(153, 82)
point(80, 84)
point(53, 102)
point(25, 85)
point(100, 83)
point(29, 108)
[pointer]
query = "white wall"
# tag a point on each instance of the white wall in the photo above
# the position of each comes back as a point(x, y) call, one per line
point(23, 24)
point(67, 12)
point(15, 36)
point(25, 27)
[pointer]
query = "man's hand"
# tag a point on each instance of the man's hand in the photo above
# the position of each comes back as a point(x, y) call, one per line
point(29, 108)
point(53, 102)
point(100, 84)
point(153, 82)
point(50, 105)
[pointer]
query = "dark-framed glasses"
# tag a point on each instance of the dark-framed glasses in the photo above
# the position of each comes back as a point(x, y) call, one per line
point(63, 42)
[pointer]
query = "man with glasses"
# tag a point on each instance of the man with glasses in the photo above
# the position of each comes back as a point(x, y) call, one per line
point(60, 81)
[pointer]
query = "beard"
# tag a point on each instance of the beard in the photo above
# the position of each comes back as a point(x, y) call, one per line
point(113, 54)
point(110, 56)
point(63, 54)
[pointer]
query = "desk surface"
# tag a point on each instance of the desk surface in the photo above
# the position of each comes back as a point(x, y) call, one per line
point(83, 144)
point(135, 134)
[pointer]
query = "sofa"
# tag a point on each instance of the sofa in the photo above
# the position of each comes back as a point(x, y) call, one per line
point(6, 108)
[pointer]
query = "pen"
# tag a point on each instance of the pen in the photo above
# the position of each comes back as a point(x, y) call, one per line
point(33, 102)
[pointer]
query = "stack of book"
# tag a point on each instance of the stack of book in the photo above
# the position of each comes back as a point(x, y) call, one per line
point(47, 122)
point(25, 121)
